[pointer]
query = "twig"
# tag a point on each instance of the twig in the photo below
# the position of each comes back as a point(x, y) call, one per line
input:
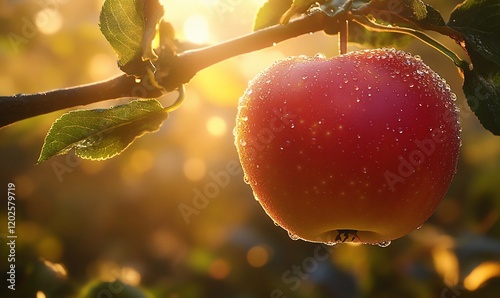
point(180, 71)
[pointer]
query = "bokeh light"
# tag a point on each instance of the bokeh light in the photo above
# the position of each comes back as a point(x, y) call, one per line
point(119, 219)
point(216, 126)
point(196, 29)
point(257, 256)
point(219, 269)
point(48, 21)
point(194, 169)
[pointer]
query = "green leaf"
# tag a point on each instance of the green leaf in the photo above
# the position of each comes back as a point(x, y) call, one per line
point(405, 13)
point(130, 27)
point(362, 36)
point(153, 13)
point(270, 13)
point(479, 23)
point(483, 97)
point(122, 23)
point(102, 133)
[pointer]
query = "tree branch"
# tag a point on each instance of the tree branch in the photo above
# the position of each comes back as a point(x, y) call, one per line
point(180, 70)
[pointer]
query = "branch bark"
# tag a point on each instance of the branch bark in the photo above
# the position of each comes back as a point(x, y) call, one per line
point(181, 70)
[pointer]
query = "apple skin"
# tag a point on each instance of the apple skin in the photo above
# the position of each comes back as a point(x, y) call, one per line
point(356, 148)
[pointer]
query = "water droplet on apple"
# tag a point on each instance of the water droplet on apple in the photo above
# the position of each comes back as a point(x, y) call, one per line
point(320, 55)
point(276, 224)
point(384, 243)
point(243, 143)
point(245, 179)
point(293, 236)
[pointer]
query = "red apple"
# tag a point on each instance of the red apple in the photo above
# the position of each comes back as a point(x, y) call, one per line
point(357, 148)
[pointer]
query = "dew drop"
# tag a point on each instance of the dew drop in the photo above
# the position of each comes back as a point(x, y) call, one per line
point(276, 224)
point(245, 179)
point(384, 243)
point(293, 236)
point(304, 77)
point(243, 143)
point(320, 55)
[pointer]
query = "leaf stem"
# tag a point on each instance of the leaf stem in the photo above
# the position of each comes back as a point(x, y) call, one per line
point(180, 99)
point(371, 25)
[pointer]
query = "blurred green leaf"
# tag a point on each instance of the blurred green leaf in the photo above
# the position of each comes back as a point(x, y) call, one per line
point(102, 133)
point(115, 289)
point(270, 13)
point(406, 13)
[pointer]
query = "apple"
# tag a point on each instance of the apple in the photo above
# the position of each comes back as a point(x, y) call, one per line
point(356, 148)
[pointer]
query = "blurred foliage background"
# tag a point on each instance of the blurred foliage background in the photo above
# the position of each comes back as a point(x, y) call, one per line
point(115, 228)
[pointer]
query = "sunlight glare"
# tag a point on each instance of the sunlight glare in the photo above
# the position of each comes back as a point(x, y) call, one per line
point(48, 21)
point(196, 29)
point(216, 126)
point(194, 169)
point(130, 276)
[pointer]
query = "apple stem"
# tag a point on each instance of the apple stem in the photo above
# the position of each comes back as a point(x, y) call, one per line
point(343, 36)
point(371, 25)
